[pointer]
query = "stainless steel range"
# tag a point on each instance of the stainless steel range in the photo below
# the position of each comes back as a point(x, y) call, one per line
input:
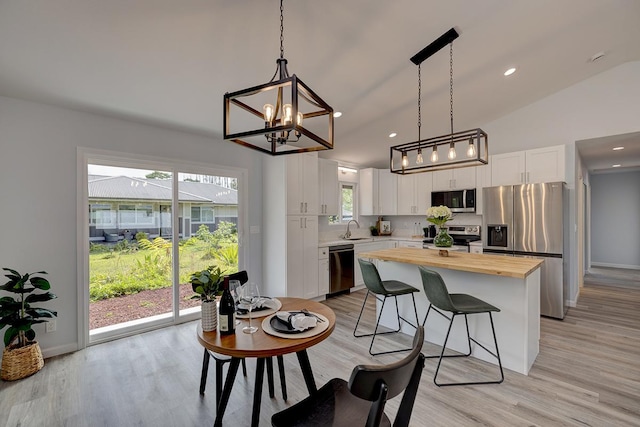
point(462, 236)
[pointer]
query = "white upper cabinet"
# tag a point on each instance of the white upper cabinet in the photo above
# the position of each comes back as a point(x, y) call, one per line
point(507, 169)
point(546, 164)
point(483, 179)
point(387, 189)
point(522, 167)
point(454, 179)
point(414, 193)
point(329, 190)
point(302, 184)
point(378, 189)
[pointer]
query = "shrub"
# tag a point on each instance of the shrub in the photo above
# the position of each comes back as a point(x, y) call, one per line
point(98, 248)
point(141, 235)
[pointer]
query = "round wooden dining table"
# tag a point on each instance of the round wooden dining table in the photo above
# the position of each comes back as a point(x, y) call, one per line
point(263, 346)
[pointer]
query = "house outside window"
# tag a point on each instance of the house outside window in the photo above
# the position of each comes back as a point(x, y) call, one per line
point(202, 214)
point(101, 215)
point(138, 214)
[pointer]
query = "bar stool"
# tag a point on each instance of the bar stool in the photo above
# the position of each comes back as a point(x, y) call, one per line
point(440, 299)
point(385, 288)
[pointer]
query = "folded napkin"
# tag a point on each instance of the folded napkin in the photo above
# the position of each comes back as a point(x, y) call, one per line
point(262, 304)
point(298, 321)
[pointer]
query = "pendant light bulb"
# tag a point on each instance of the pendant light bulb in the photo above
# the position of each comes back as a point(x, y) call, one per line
point(419, 159)
point(405, 160)
point(287, 114)
point(434, 154)
point(299, 118)
point(269, 113)
point(471, 151)
point(452, 152)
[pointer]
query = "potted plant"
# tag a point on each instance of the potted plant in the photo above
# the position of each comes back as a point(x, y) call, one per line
point(207, 284)
point(374, 230)
point(22, 356)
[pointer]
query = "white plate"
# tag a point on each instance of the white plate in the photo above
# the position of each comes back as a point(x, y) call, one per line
point(262, 313)
point(320, 328)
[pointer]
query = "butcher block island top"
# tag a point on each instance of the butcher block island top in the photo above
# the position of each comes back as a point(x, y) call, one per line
point(475, 263)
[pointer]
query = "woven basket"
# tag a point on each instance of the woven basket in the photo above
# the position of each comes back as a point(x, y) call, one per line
point(20, 362)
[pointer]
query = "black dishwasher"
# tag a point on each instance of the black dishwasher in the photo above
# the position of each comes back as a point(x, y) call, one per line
point(340, 268)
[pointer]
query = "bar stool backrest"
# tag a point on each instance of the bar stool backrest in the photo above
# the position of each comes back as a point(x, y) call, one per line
point(436, 290)
point(371, 277)
point(241, 276)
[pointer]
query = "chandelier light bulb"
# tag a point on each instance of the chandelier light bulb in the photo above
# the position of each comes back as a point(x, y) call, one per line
point(419, 159)
point(299, 118)
point(471, 151)
point(434, 154)
point(287, 114)
point(269, 112)
point(452, 152)
point(405, 160)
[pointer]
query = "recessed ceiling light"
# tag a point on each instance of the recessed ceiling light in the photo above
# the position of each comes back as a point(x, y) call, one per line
point(393, 135)
point(618, 148)
point(615, 166)
point(337, 114)
point(510, 71)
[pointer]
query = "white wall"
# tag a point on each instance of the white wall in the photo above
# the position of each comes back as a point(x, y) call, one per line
point(615, 205)
point(603, 105)
point(38, 223)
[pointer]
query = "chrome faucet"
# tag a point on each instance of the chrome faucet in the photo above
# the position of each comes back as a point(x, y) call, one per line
point(348, 233)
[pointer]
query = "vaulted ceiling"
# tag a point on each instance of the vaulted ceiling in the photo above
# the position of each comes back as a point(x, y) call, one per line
point(169, 62)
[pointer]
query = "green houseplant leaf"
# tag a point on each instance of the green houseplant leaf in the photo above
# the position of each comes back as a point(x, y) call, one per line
point(207, 284)
point(17, 314)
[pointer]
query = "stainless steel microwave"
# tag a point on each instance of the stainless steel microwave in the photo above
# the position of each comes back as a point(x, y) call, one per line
point(456, 200)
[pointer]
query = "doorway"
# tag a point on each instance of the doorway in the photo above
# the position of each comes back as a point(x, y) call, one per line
point(150, 227)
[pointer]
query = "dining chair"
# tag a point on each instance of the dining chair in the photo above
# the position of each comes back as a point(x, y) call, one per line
point(347, 404)
point(221, 359)
point(441, 300)
point(386, 289)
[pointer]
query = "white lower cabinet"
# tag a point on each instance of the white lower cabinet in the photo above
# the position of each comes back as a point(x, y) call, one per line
point(367, 247)
point(302, 256)
point(323, 271)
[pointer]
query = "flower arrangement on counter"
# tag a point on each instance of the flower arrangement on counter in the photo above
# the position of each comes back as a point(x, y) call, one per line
point(439, 215)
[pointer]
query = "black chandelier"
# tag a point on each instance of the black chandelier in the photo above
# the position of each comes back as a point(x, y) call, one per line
point(272, 114)
point(442, 151)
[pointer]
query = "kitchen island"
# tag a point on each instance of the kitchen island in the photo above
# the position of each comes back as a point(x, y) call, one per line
point(511, 284)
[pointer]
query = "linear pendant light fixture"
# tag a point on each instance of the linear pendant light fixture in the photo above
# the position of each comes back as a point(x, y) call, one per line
point(456, 150)
point(270, 117)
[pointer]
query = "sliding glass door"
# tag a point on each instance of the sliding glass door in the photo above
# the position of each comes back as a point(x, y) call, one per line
point(149, 230)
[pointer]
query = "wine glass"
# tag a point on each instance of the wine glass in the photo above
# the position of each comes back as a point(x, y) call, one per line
point(249, 296)
point(234, 288)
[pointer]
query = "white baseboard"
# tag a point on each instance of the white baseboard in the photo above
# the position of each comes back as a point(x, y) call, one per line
point(57, 351)
point(606, 264)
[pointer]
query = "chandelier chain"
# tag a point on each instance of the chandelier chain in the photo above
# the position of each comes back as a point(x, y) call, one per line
point(281, 30)
point(451, 85)
point(419, 98)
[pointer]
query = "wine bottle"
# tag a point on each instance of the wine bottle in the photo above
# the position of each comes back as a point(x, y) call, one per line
point(227, 311)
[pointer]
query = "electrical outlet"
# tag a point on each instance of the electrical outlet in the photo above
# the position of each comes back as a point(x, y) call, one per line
point(50, 326)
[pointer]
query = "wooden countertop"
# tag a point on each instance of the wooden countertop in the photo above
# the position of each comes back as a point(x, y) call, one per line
point(475, 263)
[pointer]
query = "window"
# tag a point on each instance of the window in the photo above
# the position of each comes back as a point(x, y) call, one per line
point(347, 204)
point(101, 215)
point(138, 214)
point(202, 214)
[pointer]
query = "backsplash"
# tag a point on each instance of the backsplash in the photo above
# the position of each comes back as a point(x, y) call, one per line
point(401, 226)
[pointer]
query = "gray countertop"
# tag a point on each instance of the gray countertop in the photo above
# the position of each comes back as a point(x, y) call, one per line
point(338, 241)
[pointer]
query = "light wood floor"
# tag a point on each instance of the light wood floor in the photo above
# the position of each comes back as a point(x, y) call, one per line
point(587, 374)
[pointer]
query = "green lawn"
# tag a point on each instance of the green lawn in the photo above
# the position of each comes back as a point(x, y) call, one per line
point(148, 265)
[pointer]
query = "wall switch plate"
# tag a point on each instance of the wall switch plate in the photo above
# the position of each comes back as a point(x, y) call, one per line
point(50, 326)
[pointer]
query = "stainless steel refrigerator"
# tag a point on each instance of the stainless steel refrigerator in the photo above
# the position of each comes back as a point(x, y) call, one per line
point(530, 220)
